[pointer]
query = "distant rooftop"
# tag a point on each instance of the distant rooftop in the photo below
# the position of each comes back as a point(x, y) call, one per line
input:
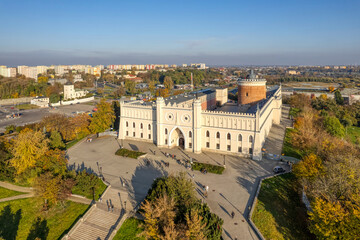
point(187, 96)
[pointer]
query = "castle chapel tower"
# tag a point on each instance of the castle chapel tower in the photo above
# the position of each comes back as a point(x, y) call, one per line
point(251, 90)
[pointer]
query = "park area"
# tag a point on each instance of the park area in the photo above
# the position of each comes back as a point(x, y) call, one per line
point(279, 212)
point(24, 218)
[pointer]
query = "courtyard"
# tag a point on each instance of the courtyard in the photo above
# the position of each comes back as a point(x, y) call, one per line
point(232, 191)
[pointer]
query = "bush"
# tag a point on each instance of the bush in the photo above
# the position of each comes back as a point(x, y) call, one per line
point(208, 167)
point(88, 185)
point(128, 153)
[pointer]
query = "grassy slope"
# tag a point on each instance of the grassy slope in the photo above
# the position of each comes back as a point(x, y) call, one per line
point(279, 212)
point(288, 149)
point(129, 230)
point(5, 193)
point(353, 133)
point(58, 219)
point(26, 106)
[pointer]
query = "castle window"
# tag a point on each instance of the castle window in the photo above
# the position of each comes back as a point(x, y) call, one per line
point(149, 136)
point(133, 134)
point(217, 146)
point(247, 94)
point(190, 145)
point(166, 132)
point(190, 134)
point(207, 144)
point(127, 124)
point(228, 136)
point(239, 149)
point(166, 141)
point(217, 135)
point(127, 133)
point(149, 127)
point(133, 125)
point(207, 134)
point(228, 147)
point(142, 135)
point(240, 137)
point(250, 139)
point(250, 151)
point(141, 126)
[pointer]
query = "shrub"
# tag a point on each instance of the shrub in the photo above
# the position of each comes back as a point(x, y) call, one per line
point(128, 153)
point(208, 167)
point(88, 185)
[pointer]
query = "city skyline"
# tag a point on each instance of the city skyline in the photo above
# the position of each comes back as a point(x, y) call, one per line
point(226, 33)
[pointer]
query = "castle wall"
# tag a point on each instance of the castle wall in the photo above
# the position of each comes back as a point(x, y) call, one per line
point(248, 94)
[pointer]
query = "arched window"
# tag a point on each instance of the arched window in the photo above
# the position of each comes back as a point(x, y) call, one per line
point(149, 127)
point(207, 134)
point(251, 139)
point(127, 124)
point(133, 125)
point(166, 131)
point(190, 134)
point(228, 136)
point(217, 135)
point(141, 126)
point(240, 138)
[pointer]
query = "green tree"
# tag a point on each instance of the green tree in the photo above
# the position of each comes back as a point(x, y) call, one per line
point(103, 118)
point(168, 83)
point(56, 140)
point(334, 127)
point(130, 86)
point(338, 98)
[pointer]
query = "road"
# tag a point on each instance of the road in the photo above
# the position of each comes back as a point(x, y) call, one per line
point(35, 115)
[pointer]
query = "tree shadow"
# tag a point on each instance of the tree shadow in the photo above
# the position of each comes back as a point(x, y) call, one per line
point(144, 175)
point(81, 167)
point(39, 230)
point(9, 223)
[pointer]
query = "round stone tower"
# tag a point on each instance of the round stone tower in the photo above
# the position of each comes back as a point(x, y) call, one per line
point(251, 90)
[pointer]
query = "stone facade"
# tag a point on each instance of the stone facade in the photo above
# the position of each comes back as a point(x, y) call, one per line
point(71, 93)
point(194, 127)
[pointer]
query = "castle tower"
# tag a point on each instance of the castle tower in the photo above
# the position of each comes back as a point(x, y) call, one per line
point(251, 90)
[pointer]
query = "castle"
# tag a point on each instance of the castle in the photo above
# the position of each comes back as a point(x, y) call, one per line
point(205, 121)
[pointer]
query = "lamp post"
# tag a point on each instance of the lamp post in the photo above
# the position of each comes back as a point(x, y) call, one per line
point(224, 162)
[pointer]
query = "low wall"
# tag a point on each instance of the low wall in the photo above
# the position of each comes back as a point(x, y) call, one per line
point(81, 100)
point(12, 101)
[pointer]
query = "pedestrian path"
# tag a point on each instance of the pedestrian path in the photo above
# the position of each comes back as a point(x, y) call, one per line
point(102, 218)
point(15, 187)
point(17, 197)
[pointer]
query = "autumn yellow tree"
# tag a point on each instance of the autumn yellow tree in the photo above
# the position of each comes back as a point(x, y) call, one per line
point(27, 148)
point(151, 220)
point(195, 226)
point(309, 168)
point(103, 118)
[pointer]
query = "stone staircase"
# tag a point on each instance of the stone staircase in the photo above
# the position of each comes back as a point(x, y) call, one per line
point(100, 221)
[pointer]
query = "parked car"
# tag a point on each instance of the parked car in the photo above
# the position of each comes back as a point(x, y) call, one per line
point(278, 169)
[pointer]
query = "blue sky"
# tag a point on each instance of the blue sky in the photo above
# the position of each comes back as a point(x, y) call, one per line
point(260, 32)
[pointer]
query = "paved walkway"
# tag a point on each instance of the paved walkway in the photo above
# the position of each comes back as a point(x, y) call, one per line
point(15, 187)
point(17, 197)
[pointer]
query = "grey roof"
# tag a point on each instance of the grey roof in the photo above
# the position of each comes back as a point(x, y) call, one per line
point(187, 96)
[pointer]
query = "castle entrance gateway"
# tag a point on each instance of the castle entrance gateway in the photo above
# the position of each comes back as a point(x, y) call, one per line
point(177, 138)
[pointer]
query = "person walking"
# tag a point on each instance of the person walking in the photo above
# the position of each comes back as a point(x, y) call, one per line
point(232, 214)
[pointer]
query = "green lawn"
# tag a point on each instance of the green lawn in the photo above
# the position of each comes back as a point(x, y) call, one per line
point(128, 153)
point(5, 193)
point(23, 218)
point(72, 143)
point(288, 149)
point(130, 229)
point(279, 212)
point(209, 167)
point(99, 189)
point(26, 106)
point(353, 133)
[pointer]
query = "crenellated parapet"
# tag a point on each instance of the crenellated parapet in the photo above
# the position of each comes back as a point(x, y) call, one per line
point(218, 113)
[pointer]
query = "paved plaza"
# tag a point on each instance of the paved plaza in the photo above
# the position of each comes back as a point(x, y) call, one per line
point(234, 190)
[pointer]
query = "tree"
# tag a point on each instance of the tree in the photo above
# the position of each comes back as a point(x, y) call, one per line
point(151, 220)
point(338, 98)
point(130, 86)
point(195, 226)
point(103, 118)
point(53, 188)
point(168, 83)
point(334, 127)
point(80, 125)
point(42, 79)
point(28, 147)
point(309, 168)
point(152, 87)
point(56, 140)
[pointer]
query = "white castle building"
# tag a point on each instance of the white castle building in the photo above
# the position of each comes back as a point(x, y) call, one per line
point(71, 93)
point(205, 121)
